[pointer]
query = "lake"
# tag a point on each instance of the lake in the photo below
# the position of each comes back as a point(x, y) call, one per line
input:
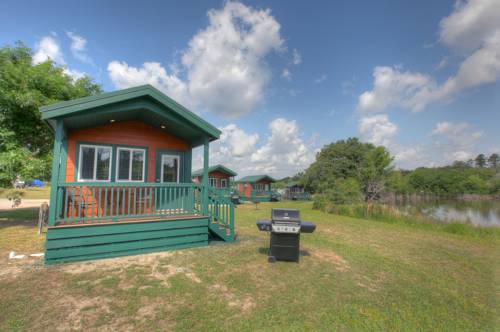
point(479, 213)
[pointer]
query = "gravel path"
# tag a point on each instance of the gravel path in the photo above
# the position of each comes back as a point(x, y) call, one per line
point(5, 204)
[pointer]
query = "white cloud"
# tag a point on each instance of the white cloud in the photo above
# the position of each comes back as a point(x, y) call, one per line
point(455, 141)
point(470, 24)
point(283, 152)
point(48, 48)
point(286, 74)
point(225, 63)
point(377, 129)
point(124, 76)
point(236, 142)
point(474, 28)
point(296, 57)
point(78, 47)
point(393, 87)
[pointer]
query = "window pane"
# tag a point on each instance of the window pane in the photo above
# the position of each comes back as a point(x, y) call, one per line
point(87, 163)
point(170, 167)
point(123, 165)
point(103, 163)
point(137, 165)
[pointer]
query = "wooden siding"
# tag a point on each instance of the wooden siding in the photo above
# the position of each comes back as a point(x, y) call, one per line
point(215, 175)
point(85, 242)
point(128, 133)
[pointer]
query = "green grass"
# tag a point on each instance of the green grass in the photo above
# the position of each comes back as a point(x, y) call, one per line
point(29, 193)
point(354, 274)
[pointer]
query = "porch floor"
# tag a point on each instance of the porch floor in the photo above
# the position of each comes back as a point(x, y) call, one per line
point(98, 222)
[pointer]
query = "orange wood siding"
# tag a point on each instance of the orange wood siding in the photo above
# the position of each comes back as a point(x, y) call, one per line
point(130, 133)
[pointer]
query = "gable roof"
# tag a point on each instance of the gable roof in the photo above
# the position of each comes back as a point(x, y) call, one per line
point(256, 178)
point(138, 102)
point(214, 168)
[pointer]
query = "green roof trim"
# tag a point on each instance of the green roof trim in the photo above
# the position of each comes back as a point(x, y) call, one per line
point(256, 178)
point(214, 168)
point(81, 105)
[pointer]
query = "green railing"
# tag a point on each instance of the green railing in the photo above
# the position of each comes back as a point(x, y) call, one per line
point(221, 209)
point(79, 202)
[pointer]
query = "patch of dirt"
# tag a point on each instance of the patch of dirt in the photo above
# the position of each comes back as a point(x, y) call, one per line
point(340, 264)
point(115, 263)
point(80, 310)
point(246, 304)
point(11, 268)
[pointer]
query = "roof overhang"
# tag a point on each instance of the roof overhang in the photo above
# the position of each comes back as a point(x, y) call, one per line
point(216, 168)
point(143, 103)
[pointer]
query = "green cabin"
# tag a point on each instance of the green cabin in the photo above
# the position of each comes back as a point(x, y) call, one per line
point(256, 188)
point(121, 178)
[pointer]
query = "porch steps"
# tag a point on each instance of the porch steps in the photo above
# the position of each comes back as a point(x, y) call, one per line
point(222, 231)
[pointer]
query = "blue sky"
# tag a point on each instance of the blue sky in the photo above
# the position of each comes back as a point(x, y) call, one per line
point(283, 78)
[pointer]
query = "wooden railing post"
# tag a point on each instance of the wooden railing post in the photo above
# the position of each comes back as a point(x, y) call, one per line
point(205, 176)
point(56, 163)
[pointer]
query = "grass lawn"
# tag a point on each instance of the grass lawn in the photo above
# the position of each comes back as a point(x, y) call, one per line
point(29, 193)
point(354, 274)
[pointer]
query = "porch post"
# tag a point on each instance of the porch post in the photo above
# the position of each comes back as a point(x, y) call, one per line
point(205, 175)
point(56, 162)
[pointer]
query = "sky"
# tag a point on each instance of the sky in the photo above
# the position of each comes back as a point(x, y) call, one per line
point(281, 79)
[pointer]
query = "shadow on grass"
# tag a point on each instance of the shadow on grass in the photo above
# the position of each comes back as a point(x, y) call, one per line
point(265, 251)
point(26, 217)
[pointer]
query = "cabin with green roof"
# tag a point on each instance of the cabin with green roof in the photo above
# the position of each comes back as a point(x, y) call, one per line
point(296, 192)
point(121, 178)
point(255, 188)
point(219, 176)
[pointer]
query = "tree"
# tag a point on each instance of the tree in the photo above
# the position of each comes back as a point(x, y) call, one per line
point(24, 88)
point(480, 160)
point(349, 159)
point(494, 160)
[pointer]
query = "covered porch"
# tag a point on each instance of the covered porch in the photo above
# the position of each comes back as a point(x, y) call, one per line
point(122, 164)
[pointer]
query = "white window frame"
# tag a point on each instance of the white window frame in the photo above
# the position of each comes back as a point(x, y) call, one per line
point(94, 178)
point(178, 167)
point(132, 150)
point(223, 183)
point(214, 181)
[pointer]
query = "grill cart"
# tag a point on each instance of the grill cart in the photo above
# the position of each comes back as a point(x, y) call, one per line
point(285, 227)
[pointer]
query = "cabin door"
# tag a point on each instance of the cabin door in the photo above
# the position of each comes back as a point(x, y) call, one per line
point(168, 168)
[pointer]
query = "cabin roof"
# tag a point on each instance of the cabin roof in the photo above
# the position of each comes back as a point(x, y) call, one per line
point(144, 103)
point(214, 168)
point(293, 184)
point(256, 178)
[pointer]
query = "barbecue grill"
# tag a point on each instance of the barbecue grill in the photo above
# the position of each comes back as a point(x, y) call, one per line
point(285, 227)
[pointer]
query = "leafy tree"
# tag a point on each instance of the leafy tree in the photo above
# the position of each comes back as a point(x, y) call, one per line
point(349, 159)
point(24, 88)
point(494, 160)
point(480, 160)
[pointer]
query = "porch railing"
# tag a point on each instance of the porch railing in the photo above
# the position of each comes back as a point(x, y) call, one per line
point(221, 208)
point(79, 202)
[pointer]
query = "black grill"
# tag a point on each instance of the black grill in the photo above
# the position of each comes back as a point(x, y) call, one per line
point(285, 227)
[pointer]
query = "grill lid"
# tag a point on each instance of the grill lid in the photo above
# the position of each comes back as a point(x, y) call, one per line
point(285, 215)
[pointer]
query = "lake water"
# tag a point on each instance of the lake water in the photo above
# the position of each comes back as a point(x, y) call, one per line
point(480, 213)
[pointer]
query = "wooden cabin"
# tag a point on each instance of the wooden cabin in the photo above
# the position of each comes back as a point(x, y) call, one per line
point(255, 188)
point(295, 191)
point(121, 178)
point(218, 176)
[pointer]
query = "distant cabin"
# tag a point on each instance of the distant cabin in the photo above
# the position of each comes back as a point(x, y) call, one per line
point(255, 188)
point(219, 176)
point(121, 178)
point(295, 191)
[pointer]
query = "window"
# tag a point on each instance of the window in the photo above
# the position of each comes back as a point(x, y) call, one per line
point(130, 165)
point(212, 182)
point(170, 168)
point(94, 163)
point(223, 183)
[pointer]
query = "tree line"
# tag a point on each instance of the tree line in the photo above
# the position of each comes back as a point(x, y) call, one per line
point(25, 141)
point(350, 171)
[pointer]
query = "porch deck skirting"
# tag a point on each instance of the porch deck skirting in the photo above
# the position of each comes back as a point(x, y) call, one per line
point(80, 242)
